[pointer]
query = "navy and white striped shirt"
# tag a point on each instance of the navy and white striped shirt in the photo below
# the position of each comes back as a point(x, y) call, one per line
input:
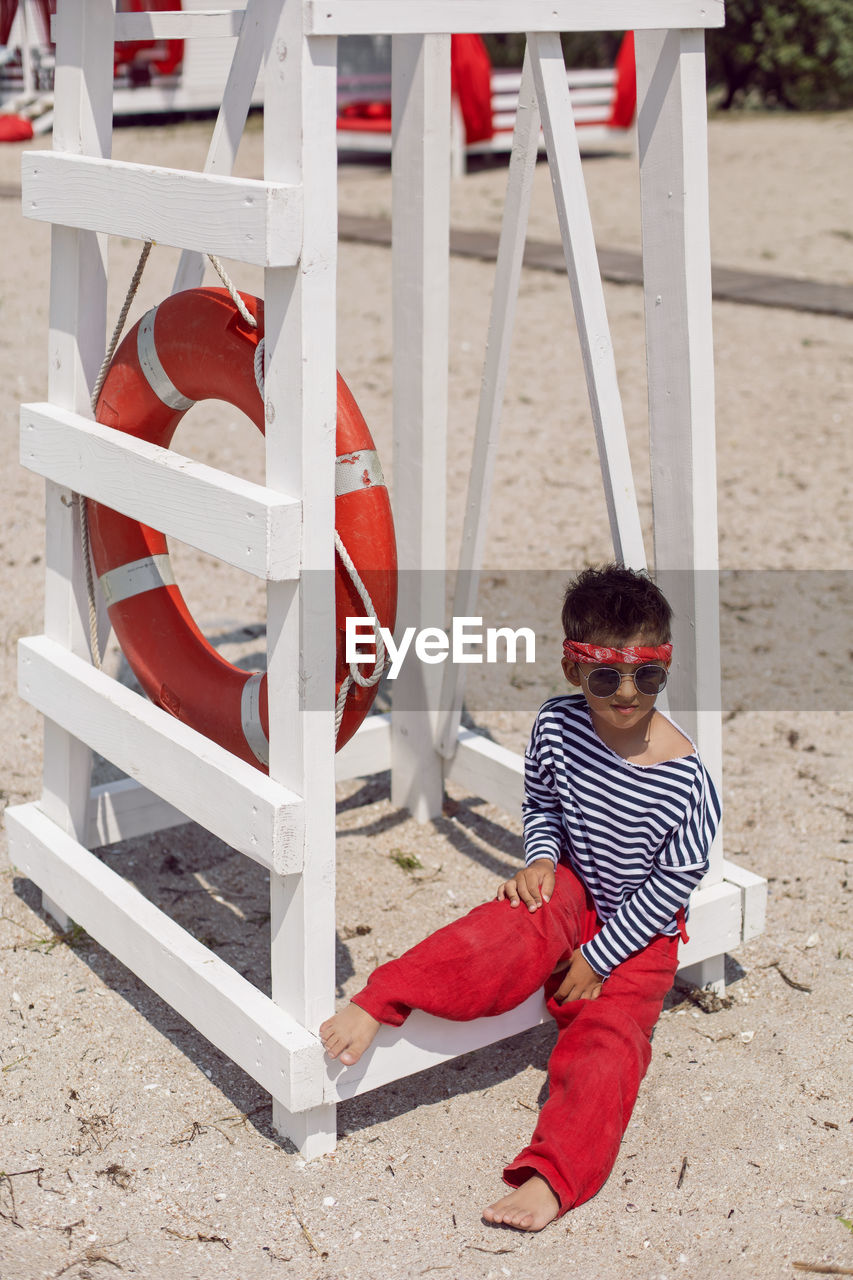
point(637, 835)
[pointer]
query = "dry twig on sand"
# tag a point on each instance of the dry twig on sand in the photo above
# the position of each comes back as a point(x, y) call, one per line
point(823, 1268)
point(798, 986)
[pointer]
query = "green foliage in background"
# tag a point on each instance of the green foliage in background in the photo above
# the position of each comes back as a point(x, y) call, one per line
point(581, 48)
point(788, 53)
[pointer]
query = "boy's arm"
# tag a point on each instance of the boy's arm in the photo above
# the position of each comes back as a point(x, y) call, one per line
point(647, 912)
point(543, 832)
point(541, 810)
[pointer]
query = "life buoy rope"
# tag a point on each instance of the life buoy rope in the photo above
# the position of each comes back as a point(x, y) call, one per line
point(197, 345)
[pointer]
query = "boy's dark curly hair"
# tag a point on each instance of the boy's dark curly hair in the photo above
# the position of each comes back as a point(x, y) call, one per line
point(614, 603)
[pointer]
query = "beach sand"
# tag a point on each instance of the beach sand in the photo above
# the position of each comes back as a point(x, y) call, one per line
point(129, 1142)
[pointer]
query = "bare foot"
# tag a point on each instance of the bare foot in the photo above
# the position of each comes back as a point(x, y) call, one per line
point(348, 1033)
point(529, 1207)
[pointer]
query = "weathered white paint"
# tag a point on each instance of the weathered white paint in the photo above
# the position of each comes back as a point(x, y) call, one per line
point(357, 17)
point(184, 25)
point(299, 147)
point(244, 524)
point(238, 803)
point(588, 297)
point(753, 889)
point(522, 167)
point(76, 341)
point(672, 141)
point(243, 219)
point(420, 113)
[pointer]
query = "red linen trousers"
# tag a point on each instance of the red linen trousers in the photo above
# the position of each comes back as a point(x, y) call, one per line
point(494, 958)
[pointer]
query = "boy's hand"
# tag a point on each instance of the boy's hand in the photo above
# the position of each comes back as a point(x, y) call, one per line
point(581, 981)
point(533, 885)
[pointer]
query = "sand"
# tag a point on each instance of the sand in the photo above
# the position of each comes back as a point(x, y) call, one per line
point(129, 1142)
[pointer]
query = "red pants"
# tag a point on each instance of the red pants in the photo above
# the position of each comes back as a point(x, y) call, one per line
point(493, 959)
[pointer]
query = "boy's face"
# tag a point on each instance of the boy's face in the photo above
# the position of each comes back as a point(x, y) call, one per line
point(627, 707)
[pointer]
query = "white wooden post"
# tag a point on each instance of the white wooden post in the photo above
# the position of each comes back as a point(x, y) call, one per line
point(300, 393)
point(230, 123)
point(420, 113)
point(78, 291)
point(522, 166)
point(552, 90)
point(672, 141)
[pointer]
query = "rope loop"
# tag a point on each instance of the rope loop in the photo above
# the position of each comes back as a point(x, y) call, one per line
point(381, 661)
point(232, 289)
point(259, 367)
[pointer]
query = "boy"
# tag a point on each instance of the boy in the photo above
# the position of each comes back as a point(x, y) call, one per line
point(619, 815)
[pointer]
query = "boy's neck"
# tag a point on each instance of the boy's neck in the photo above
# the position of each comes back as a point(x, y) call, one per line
point(653, 740)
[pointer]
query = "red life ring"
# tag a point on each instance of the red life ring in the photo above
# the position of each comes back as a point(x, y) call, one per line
point(196, 346)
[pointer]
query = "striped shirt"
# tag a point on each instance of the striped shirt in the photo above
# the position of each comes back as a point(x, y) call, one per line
point(637, 835)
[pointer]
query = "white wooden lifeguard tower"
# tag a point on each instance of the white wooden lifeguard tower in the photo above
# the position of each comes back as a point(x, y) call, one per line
point(286, 222)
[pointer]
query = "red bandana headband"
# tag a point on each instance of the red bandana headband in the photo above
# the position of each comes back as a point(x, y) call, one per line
point(601, 653)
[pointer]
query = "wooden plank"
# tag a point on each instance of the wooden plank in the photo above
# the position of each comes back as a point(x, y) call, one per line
point(420, 180)
point(715, 925)
point(488, 770)
point(753, 889)
point(230, 123)
point(230, 1011)
point(242, 219)
point(300, 307)
point(367, 752)
point(522, 167)
point(709, 974)
point(588, 297)
point(424, 1042)
point(184, 25)
point(76, 342)
point(244, 524)
point(390, 17)
point(672, 140)
point(124, 809)
point(238, 803)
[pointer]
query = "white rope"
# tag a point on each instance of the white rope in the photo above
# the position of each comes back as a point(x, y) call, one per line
point(119, 326)
point(259, 368)
point(229, 285)
point(382, 660)
point(82, 502)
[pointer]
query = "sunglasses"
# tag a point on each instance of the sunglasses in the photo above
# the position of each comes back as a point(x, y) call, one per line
point(603, 682)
